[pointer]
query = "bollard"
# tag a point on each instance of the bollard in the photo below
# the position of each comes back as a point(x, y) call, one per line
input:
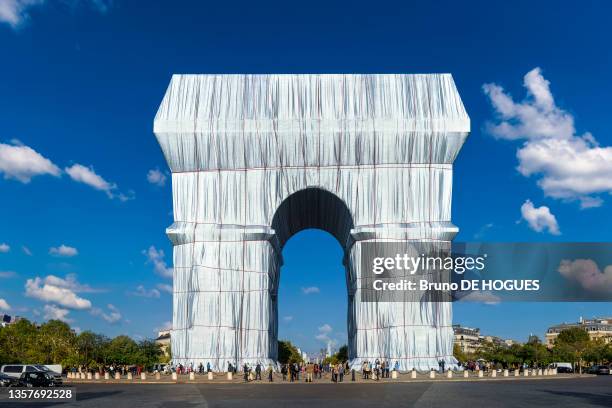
point(191, 376)
point(210, 375)
point(506, 373)
point(526, 373)
point(251, 376)
point(516, 373)
point(539, 371)
point(230, 375)
point(89, 377)
point(449, 374)
point(545, 372)
point(106, 376)
point(394, 374)
point(493, 373)
point(117, 376)
point(69, 375)
point(554, 371)
point(480, 374)
point(97, 376)
point(129, 376)
point(174, 376)
point(83, 376)
point(466, 374)
point(413, 373)
point(157, 376)
point(143, 376)
point(432, 374)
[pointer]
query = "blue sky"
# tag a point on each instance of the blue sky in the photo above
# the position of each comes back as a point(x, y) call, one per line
point(80, 82)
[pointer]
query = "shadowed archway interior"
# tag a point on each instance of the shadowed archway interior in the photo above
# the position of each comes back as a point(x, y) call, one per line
point(316, 208)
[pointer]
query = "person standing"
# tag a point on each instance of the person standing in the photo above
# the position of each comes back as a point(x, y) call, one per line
point(270, 379)
point(258, 372)
point(340, 372)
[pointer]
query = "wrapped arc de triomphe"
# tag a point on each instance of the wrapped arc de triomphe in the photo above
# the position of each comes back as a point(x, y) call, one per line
point(257, 158)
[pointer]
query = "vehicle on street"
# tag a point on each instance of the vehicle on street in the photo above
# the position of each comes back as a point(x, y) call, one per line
point(16, 370)
point(38, 379)
point(599, 370)
point(7, 381)
point(562, 368)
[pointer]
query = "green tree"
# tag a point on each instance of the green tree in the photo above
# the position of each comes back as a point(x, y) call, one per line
point(573, 342)
point(288, 353)
point(122, 350)
point(56, 342)
point(342, 354)
point(149, 353)
point(459, 354)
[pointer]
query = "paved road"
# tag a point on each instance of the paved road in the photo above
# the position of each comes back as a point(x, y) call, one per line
point(579, 392)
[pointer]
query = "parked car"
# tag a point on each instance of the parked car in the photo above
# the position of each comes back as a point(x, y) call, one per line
point(7, 381)
point(38, 379)
point(562, 367)
point(16, 370)
point(599, 370)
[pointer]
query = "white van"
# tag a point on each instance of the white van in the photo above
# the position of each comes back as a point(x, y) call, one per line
point(15, 370)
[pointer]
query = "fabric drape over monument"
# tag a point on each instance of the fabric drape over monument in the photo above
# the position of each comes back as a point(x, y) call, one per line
point(256, 158)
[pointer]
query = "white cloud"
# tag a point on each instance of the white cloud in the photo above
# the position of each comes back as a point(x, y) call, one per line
point(287, 319)
point(26, 250)
point(4, 248)
point(155, 176)
point(7, 274)
point(587, 274)
point(113, 315)
point(310, 290)
point(55, 290)
point(87, 175)
point(64, 251)
point(21, 163)
point(326, 328)
point(4, 305)
point(142, 292)
point(570, 166)
point(52, 312)
point(16, 12)
point(164, 287)
point(481, 296)
point(70, 282)
point(156, 257)
point(540, 218)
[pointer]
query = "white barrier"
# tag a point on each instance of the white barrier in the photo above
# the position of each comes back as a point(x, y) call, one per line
point(174, 376)
point(191, 376)
point(506, 373)
point(210, 375)
point(230, 375)
point(117, 376)
point(432, 374)
point(494, 373)
point(129, 376)
point(157, 376)
point(516, 373)
point(97, 376)
point(449, 374)
point(539, 371)
point(394, 375)
point(106, 376)
point(413, 374)
point(466, 374)
point(143, 376)
point(526, 373)
point(89, 377)
point(480, 374)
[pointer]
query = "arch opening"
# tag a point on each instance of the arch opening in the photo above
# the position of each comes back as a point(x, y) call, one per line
point(316, 208)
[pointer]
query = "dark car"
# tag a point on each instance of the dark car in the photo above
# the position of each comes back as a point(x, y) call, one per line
point(38, 379)
point(7, 381)
point(599, 370)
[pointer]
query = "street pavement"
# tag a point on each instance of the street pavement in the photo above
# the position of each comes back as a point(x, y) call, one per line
point(574, 392)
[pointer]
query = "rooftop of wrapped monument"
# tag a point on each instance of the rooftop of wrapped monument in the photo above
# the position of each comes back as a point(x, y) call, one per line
point(257, 158)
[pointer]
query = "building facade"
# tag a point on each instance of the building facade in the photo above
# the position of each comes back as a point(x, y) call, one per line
point(598, 328)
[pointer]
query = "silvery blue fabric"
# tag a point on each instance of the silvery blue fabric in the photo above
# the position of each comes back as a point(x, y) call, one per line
point(256, 158)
